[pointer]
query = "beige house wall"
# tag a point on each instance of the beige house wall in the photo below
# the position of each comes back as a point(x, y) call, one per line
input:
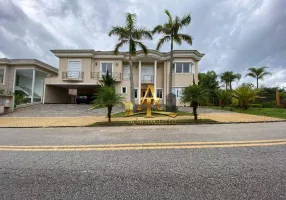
point(55, 94)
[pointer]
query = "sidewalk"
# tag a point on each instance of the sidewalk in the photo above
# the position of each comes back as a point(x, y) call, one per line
point(88, 120)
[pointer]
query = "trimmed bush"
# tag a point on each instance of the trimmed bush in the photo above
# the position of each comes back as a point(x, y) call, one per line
point(256, 105)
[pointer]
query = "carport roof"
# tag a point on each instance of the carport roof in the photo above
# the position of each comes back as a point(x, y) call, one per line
point(74, 86)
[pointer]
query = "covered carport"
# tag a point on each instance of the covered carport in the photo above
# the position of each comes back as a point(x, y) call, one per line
point(66, 93)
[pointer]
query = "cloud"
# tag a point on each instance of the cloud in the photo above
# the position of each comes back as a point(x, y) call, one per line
point(234, 35)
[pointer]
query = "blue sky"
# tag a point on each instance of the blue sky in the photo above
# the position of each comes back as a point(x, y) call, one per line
point(234, 35)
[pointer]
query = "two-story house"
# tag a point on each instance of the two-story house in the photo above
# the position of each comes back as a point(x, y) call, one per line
point(82, 70)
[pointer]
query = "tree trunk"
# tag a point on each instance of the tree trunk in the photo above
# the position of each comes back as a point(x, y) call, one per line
point(257, 82)
point(195, 106)
point(171, 67)
point(225, 85)
point(109, 109)
point(230, 86)
point(132, 95)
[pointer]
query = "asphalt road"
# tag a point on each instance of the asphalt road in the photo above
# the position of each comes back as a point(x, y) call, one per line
point(255, 172)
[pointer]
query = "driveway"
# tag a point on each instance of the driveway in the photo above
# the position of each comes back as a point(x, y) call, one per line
point(60, 110)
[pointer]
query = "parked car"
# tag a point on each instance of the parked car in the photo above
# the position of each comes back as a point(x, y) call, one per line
point(84, 98)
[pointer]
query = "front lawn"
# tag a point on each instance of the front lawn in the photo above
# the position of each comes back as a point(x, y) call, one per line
point(270, 112)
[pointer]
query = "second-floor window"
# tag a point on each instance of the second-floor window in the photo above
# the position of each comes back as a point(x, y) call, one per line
point(183, 67)
point(74, 69)
point(1, 76)
point(106, 66)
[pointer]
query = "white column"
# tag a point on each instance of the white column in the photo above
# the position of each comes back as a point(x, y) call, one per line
point(155, 77)
point(33, 84)
point(139, 83)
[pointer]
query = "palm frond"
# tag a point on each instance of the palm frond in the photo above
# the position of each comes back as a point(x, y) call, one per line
point(187, 38)
point(132, 47)
point(142, 33)
point(119, 45)
point(170, 16)
point(130, 19)
point(251, 74)
point(163, 41)
point(177, 39)
point(119, 31)
point(186, 20)
point(142, 46)
point(261, 76)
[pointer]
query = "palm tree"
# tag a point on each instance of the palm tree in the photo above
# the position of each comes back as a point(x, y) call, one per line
point(194, 94)
point(258, 73)
point(170, 30)
point(107, 97)
point(228, 77)
point(132, 36)
point(245, 94)
point(224, 97)
point(108, 80)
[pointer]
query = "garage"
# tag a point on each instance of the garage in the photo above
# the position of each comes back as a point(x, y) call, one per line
point(67, 93)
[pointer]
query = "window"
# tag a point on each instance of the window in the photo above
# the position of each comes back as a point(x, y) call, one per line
point(160, 93)
point(2, 76)
point(124, 90)
point(136, 93)
point(106, 67)
point(74, 69)
point(183, 67)
point(178, 91)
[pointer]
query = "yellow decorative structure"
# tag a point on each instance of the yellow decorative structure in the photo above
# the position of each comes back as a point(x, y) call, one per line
point(148, 100)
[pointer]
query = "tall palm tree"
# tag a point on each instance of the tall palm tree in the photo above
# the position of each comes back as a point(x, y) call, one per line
point(258, 73)
point(170, 30)
point(131, 35)
point(228, 77)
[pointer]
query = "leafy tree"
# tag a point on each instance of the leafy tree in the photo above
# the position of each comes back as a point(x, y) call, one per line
point(108, 80)
point(224, 97)
point(245, 94)
point(130, 35)
point(194, 94)
point(107, 97)
point(228, 77)
point(209, 82)
point(258, 73)
point(170, 30)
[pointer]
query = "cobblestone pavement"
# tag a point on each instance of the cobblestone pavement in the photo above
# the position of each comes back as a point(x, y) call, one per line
point(60, 110)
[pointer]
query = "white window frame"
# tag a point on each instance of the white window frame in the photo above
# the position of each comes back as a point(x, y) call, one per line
point(162, 93)
point(176, 91)
point(4, 75)
point(137, 92)
point(106, 61)
point(184, 61)
point(122, 89)
point(74, 60)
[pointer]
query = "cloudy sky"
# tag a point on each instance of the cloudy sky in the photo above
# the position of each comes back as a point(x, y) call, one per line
point(234, 34)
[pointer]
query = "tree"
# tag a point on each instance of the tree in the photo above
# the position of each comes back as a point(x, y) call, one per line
point(194, 94)
point(209, 82)
point(224, 97)
point(107, 97)
point(228, 77)
point(130, 35)
point(245, 94)
point(170, 30)
point(258, 73)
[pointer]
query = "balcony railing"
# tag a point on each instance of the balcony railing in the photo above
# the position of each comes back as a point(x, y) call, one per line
point(147, 79)
point(73, 75)
point(98, 75)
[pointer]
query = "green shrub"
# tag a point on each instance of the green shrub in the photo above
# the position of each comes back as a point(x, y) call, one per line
point(256, 105)
point(268, 105)
point(234, 102)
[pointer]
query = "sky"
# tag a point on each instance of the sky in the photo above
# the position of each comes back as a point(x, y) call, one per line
point(234, 34)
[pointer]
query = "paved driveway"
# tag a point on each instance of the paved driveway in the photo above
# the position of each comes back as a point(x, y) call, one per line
point(60, 110)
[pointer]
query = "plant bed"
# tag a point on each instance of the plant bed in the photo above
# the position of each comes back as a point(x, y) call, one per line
point(155, 122)
point(122, 114)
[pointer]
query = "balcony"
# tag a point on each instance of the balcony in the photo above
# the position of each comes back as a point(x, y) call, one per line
point(72, 76)
point(147, 79)
point(98, 75)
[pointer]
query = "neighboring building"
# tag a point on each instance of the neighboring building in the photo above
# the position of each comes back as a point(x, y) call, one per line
point(24, 77)
point(83, 70)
